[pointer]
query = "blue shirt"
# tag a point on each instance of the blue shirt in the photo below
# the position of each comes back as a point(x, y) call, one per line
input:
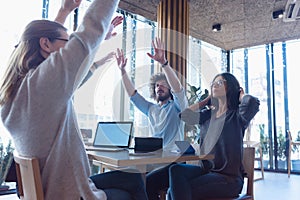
point(164, 121)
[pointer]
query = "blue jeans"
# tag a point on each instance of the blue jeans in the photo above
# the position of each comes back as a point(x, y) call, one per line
point(190, 182)
point(121, 185)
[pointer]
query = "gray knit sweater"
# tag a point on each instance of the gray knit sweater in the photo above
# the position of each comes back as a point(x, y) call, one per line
point(41, 118)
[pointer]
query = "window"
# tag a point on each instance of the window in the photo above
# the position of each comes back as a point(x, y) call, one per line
point(10, 31)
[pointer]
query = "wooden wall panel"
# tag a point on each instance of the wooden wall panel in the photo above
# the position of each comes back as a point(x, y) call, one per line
point(173, 22)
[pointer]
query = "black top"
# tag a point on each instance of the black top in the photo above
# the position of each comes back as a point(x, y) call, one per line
point(223, 136)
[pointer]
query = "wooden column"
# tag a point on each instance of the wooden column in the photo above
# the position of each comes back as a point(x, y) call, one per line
point(173, 24)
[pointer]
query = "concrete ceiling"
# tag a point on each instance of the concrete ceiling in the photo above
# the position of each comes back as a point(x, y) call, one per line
point(245, 23)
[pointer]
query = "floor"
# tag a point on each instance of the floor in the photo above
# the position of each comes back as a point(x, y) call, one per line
point(275, 186)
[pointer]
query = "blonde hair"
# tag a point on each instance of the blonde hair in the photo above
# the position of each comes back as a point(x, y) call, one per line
point(26, 56)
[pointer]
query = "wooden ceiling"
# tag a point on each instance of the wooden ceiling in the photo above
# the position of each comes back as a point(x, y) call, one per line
point(245, 23)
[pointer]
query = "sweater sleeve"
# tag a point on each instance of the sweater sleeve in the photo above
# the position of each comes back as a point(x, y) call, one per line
point(56, 78)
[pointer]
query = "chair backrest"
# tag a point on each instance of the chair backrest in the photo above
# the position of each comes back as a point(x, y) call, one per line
point(290, 135)
point(29, 178)
point(248, 162)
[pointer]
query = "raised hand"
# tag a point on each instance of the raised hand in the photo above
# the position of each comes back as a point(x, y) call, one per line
point(105, 59)
point(115, 22)
point(70, 5)
point(67, 6)
point(159, 51)
point(121, 60)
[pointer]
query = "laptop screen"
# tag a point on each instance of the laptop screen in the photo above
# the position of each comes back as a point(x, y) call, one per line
point(113, 134)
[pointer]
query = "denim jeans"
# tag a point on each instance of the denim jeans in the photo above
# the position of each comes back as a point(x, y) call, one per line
point(190, 182)
point(121, 185)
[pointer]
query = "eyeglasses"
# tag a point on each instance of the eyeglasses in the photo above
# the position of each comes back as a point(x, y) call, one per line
point(62, 39)
point(218, 83)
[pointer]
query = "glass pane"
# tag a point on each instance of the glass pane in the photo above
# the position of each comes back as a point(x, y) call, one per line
point(250, 64)
point(279, 106)
point(11, 30)
point(292, 64)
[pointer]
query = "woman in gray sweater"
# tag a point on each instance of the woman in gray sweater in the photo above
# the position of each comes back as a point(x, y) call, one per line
point(36, 99)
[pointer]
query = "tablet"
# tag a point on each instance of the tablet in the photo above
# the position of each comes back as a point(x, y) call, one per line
point(185, 147)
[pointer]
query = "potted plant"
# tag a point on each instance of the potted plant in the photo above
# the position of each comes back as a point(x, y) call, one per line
point(281, 150)
point(194, 95)
point(265, 144)
point(6, 156)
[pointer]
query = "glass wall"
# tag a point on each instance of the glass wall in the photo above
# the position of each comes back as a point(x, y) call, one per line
point(266, 72)
point(291, 94)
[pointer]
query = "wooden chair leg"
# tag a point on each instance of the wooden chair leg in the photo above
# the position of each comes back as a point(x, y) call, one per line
point(261, 163)
point(289, 161)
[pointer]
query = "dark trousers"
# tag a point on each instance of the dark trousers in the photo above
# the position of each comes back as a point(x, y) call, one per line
point(156, 181)
point(121, 185)
point(190, 182)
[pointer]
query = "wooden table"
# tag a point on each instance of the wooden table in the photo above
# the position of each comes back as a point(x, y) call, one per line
point(124, 159)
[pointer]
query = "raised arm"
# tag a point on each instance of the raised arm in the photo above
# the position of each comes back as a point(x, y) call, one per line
point(115, 22)
point(96, 65)
point(159, 56)
point(67, 6)
point(122, 61)
point(200, 104)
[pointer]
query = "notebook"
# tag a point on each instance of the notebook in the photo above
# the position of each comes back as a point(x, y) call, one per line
point(112, 136)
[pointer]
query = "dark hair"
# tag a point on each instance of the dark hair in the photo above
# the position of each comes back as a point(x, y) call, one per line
point(232, 90)
point(27, 55)
point(153, 80)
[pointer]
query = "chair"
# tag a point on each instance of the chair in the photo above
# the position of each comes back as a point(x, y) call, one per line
point(29, 178)
point(291, 144)
point(256, 144)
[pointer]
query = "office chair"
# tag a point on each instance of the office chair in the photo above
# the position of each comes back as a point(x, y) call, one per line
point(29, 178)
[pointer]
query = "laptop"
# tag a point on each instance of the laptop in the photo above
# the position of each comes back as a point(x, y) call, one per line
point(112, 136)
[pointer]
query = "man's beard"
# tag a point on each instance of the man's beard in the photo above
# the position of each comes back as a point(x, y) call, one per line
point(163, 97)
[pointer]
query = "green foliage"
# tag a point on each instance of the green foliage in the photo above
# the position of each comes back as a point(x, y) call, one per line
point(281, 152)
point(264, 140)
point(295, 148)
point(194, 96)
point(5, 160)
